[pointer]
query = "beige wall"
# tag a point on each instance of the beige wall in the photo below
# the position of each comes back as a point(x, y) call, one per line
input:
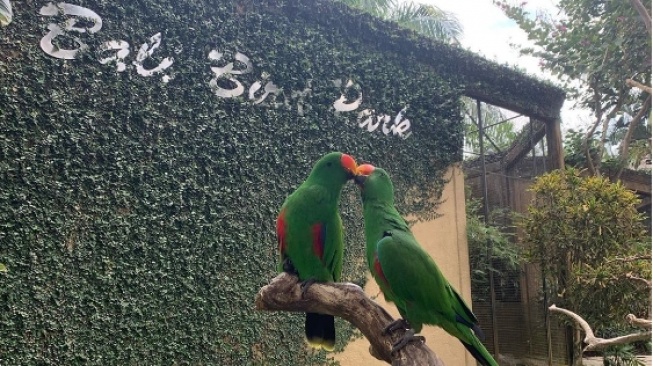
point(445, 240)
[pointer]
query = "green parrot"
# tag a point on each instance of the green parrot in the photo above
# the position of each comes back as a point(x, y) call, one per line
point(310, 236)
point(407, 275)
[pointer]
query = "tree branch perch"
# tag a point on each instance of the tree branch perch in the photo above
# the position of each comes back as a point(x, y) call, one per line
point(595, 343)
point(349, 302)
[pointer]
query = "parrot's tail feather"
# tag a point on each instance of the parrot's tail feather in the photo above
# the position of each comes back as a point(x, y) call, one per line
point(320, 331)
point(480, 353)
point(479, 332)
point(474, 327)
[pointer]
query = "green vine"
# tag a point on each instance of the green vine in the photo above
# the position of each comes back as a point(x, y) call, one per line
point(137, 216)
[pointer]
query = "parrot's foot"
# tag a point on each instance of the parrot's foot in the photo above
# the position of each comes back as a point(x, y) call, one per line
point(409, 337)
point(306, 284)
point(397, 324)
point(289, 267)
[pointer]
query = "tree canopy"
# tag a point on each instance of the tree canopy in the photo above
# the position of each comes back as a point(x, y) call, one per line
point(590, 240)
point(600, 50)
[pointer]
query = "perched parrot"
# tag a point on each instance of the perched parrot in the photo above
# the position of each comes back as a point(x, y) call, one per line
point(310, 236)
point(407, 275)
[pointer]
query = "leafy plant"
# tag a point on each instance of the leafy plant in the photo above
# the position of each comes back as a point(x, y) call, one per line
point(571, 43)
point(621, 355)
point(590, 240)
point(506, 256)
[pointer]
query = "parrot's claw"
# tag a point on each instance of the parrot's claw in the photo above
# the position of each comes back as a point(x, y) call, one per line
point(306, 284)
point(409, 337)
point(288, 267)
point(397, 324)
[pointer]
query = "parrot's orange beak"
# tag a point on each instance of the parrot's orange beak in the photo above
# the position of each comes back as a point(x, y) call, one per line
point(362, 172)
point(349, 164)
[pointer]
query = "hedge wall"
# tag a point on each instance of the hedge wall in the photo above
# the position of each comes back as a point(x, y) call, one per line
point(137, 212)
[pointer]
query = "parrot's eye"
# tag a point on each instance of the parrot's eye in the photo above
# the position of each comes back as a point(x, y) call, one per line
point(329, 164)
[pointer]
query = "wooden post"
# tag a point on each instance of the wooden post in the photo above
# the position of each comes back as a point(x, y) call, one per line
point(554, 145)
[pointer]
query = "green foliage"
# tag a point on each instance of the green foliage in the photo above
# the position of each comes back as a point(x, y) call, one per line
point(621, 355)
point(506, 256)
point(572, 45)
point(137, 218)
point(589, 238)
point(428, 20)
point(575, 156)
point(477, 76)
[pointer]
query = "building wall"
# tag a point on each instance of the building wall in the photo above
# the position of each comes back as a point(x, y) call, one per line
point(446, 241)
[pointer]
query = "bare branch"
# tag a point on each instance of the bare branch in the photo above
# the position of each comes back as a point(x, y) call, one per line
point(635, 84)
point(625, 143)
point(349, 302)
point(599, 114)
point(638, 322)
point(631, 258)
point(595, 343)
point(639, 279)
point(643, 13)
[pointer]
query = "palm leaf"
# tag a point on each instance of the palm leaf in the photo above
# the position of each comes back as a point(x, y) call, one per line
point(428, 20)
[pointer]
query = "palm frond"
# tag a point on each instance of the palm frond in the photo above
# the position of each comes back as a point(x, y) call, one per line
point(379, 8)
point(428, 20)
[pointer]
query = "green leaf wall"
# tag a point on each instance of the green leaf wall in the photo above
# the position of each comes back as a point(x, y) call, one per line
point(137, 217)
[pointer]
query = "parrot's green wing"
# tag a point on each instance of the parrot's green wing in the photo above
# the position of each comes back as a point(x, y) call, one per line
point(422, 293)
point(415, 279)
point(407, 275)
point(412, 277)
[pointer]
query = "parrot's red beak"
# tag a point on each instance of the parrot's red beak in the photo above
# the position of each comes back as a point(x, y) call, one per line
point(362, 172)
point(349, 164)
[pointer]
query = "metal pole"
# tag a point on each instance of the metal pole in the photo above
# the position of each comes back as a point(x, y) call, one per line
point(547, 319)
point(490, 245)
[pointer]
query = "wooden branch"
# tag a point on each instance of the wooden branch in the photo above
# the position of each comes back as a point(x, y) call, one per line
point(635, 84)
point(638, 322)
point(639, 279)
point(643, 13)
point(595, 343)
point(632, 258)
point(349, 302)
point(625, 143)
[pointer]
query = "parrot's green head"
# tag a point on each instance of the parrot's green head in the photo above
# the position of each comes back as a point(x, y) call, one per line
point(375, 184)
point(333, 169)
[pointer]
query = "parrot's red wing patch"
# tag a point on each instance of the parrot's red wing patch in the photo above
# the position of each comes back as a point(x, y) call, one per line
point(319, 236)
point(281, 232)
point(379, 270)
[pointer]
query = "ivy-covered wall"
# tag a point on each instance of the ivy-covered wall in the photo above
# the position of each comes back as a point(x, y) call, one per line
point(137, 207)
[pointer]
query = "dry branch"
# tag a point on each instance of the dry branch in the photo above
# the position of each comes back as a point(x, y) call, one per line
point(625, 143)
point(643, 13)
point(644, 281)
point(349, 302)
point(632, 258)
point(595, 343)
point(634, 84)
